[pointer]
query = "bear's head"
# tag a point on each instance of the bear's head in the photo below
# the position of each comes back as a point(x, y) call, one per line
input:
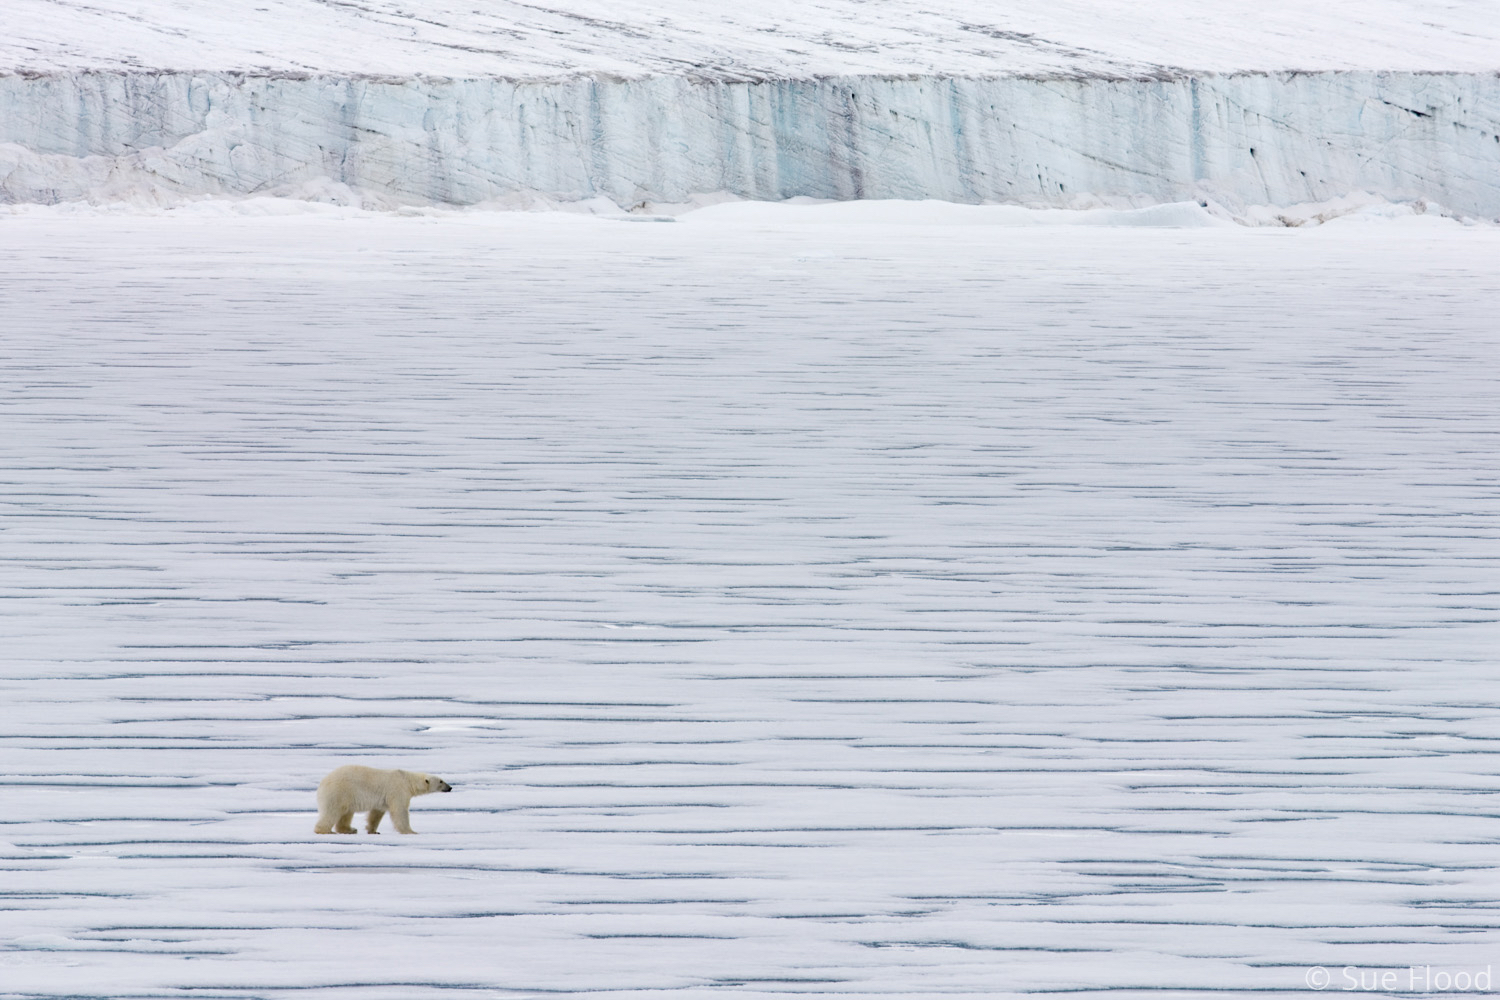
point(422, 784)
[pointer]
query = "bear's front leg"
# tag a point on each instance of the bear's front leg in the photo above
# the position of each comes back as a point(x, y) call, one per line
point(373, 820)
point(401, 818)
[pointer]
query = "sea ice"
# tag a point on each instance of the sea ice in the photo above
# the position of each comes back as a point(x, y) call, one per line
point(891, 609)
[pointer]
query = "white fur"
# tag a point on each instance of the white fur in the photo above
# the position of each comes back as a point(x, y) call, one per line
point(353, 789)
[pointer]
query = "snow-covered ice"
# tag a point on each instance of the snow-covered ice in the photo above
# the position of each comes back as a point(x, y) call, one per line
point(799, 604)
point(1066, 104)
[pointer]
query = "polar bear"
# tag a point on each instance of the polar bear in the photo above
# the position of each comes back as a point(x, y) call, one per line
point(352, 789)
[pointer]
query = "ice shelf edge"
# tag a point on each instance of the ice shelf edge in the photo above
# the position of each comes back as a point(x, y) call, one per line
point(1241, 139)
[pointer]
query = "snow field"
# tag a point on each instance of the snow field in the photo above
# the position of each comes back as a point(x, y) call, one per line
point(797, 606)
point(756, 40)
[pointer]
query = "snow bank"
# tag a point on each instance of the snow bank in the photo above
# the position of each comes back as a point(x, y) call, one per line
point(1238, 140)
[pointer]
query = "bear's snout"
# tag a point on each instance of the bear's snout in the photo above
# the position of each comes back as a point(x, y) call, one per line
point(443, 786)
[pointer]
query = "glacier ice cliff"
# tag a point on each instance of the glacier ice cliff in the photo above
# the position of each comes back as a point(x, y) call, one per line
point(1239, 139)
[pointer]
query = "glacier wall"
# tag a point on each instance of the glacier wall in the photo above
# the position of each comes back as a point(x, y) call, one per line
point(1239, 139)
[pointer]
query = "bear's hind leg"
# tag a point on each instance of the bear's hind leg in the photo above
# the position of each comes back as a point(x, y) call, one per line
point(344, 825)
point(372, 821)
point(324, 824)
